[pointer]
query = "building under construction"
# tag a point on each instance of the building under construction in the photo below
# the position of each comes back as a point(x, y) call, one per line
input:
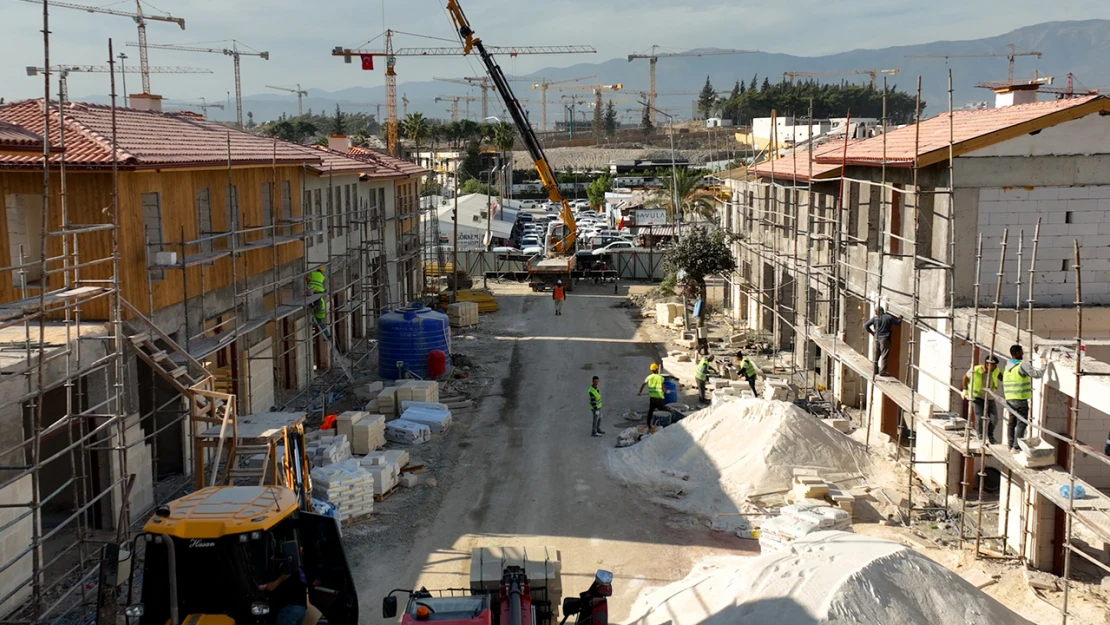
point(155, 293)
point(983, 229)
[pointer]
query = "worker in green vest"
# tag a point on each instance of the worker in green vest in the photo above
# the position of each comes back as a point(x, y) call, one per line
point(319, 305)
point(982, 406)
point(1017, 388)
point(701, 374)
point(654, 384)
point(747, 369)
point(595, 407)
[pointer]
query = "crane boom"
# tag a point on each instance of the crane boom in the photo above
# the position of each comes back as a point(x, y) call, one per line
point(564, 243)
point(654, 56)
point(1011, 55)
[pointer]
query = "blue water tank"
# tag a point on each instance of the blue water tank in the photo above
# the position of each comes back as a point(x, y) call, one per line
point(670, 391)
point(406, 335)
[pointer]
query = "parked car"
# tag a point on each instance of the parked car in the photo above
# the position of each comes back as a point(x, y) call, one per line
point(524, 217)
point(532, 250)
point(527, 204)
point(506, 250)
point(614, 246)
point(581, 203)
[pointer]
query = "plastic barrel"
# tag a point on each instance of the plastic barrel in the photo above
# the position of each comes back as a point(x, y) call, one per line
point(405, 338)
point(670, 391)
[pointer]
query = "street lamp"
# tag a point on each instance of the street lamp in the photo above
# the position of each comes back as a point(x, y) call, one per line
point(501, 166)
point(489, 207)
point(674, 169)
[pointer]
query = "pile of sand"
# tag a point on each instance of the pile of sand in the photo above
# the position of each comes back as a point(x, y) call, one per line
point(712, 461)
point(827, 577)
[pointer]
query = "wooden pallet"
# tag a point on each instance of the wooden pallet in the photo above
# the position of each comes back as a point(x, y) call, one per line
point(386, 494)
point(355, 520)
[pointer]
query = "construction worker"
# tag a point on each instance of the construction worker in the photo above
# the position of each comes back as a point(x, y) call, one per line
point(559, 295)
point(654, 384)
point(981, 405)
point(1017, 388)
point(701, 374)
point(880, 327)
point(595, 407)
point(320, 305)
point(747, 369)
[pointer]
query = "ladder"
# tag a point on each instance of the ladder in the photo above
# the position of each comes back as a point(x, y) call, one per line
point(207, 405)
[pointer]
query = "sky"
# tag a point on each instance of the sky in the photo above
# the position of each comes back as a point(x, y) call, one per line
point(299, 34)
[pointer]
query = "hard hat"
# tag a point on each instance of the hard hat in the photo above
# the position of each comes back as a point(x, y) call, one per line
point(558, 282)
point(992, 360)
point(654, 367)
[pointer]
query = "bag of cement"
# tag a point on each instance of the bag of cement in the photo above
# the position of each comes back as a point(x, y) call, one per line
point(407, 432)
point(426, 405)
point(438, 419)
point(631, 436)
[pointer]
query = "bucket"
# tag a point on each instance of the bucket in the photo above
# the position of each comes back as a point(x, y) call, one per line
point(670, 391)
point(437, 363)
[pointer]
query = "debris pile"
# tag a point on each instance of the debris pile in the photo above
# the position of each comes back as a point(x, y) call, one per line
point(826, 577)
point(736, 451)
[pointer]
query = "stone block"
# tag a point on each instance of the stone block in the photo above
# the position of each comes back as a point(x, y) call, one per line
point(367, 392)
point(409, 480)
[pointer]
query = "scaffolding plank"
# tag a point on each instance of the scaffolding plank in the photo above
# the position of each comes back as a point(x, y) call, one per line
point(268, 242)
point(264, 426)
point(204, 258)
point(13, 310)
point(1093, 510)
point(203, 347)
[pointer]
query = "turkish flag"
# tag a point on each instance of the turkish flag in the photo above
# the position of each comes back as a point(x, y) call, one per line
point(367, 61)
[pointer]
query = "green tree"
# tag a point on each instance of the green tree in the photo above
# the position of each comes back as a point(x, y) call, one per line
point(430, 186)
point(693, 198)
point(250, 120)
point(598, 124)
point(754, 82)
point(646, 124)
point(611, 123)
point(473, 185)
point(338, 125)
point(471, 164)
point(597, 189)
point(706, 99)
point(700, 253)
point(415, 128)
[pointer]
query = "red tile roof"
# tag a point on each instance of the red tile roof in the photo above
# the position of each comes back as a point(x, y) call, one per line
point(145, 139)
point(796, 165)
point(14, 138)
point(971, 130)
point(386, 162)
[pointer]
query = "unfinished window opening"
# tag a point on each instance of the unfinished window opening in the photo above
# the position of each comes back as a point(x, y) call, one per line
point(152, 233)
point(1067, 217)
point(345, 218)
point(24, 237)
point(286, 200)
point(894, 225)
point(267, 205)
point(231, 205)
point(306, 213)
point(204, 218)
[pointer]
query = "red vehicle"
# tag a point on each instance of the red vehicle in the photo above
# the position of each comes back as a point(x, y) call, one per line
point(515, 602)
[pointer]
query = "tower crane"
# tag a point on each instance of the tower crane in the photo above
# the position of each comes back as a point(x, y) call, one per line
point(391, 73)
point(64, 71)
point(203, 106)
point(300, 94)
point(234, 52)
point(654, 56)
point(140, 22)
point(873, 73)
point(596, 89)
point(482, 82)
point(544, 84)
point(1011, 55)
point(454, 100)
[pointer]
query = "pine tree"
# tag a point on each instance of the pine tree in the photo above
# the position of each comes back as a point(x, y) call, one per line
point(610, 120)
point(338, 125)
point(766, 86)
point(598, 125)
point(706, 99)
point(755, 81)
point(646, 123)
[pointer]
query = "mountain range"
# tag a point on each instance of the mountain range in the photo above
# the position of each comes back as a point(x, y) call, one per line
point(1078, 47)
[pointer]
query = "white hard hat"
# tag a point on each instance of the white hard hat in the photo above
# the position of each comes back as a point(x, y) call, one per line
point(558, 282)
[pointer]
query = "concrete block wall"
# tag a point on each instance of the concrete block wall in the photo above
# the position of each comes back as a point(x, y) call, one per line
point(140, 463)
point(934, 453)
point(260, 365)
point(1032, 513)
point(1067, 214)
point(1093, 427)
point(13, 541)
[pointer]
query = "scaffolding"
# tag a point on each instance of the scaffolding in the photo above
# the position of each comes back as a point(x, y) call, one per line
point(62, 517)
point(822, 252)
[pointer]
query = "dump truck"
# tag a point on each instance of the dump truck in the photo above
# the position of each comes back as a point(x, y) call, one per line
point(508, 586)
point(208, 556)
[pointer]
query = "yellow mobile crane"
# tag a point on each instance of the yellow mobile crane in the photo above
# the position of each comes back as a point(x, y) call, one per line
point(558, 260)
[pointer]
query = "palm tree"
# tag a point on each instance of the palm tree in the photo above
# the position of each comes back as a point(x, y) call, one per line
point(415, 128)
point(692, 197)
point(503, 138)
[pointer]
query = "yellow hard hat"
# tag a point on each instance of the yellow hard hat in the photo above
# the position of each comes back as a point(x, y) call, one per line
point(654, 367)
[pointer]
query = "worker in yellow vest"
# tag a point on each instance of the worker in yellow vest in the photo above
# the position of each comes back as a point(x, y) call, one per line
point(701, 374)
point(320, 305)
point(654, 384)
point(747, 369)
point(1017, 388)
point(595, 407)
point(982, 407)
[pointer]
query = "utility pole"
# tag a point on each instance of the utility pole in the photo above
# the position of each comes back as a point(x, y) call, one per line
point(123, 70)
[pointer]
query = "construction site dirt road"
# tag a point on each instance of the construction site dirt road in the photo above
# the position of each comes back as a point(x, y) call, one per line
point(524, 470)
